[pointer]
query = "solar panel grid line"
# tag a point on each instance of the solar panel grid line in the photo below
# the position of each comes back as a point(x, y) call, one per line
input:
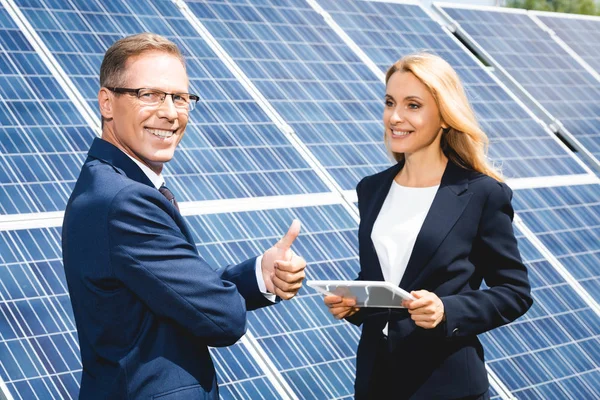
point(51, 63)
point(558, 180)
point(563, 124)
point(189, 208)
point(564, 46)
point(265, 363)
point(501, 390)
point(259, 97)
point(548, 255)
point(347, 39)
point(30, 220)
point(4, 393)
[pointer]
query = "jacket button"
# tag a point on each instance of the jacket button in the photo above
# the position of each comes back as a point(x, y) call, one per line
point(455, 332)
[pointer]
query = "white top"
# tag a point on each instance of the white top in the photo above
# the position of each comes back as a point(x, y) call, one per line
point(157, 180)
point(397, 226)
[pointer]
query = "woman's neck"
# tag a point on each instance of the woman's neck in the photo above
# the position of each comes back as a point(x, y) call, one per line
point(422, 170)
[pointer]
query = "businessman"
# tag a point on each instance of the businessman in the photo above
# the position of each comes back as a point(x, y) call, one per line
point(146, 305)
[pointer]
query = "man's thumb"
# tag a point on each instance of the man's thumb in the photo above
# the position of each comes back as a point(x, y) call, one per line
point(291, 235)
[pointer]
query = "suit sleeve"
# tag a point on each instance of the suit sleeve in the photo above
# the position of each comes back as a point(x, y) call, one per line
point(496, 254)
point(151, 256)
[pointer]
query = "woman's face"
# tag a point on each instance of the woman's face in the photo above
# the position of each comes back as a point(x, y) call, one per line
point(411, 116)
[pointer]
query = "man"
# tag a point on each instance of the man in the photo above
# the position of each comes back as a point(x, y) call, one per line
point(146, 305)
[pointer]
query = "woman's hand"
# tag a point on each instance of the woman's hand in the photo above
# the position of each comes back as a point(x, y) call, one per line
point(427, 310)
point(340, 307)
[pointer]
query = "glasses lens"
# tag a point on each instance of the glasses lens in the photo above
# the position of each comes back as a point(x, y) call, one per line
point(151, 97)
point(181, 100)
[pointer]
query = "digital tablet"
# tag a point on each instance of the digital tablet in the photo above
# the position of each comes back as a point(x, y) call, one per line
point(366, 293)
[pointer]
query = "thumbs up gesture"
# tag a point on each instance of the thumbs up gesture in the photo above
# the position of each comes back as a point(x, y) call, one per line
point(282, 269)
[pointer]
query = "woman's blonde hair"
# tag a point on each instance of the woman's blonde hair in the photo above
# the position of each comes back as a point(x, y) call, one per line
point(463, 142)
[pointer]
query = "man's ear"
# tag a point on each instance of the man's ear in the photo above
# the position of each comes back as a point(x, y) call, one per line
point(105, 102)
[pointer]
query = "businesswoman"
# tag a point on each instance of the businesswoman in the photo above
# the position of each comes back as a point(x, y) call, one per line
point(437, 223)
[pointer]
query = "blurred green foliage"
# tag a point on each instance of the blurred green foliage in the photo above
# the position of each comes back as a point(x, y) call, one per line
point(588, 7)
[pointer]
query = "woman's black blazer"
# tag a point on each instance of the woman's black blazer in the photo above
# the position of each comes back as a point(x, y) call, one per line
point(466, 237)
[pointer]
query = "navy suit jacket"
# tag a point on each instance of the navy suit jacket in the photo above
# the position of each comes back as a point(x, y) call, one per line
point(146, 305)
point(467, 236)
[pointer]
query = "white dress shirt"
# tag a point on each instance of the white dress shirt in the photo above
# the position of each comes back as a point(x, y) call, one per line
point(397, 226)
point(157, 180)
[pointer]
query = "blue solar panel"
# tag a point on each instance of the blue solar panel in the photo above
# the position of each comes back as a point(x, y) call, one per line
point(537, 62)
point(311, 77)
point(42, 135)
point(567, 221)
point(581, 33)
point(231, 148)
point(239, 376)
point(387, 31)
point(314, 353)
point(39, 353)
point(553, 351)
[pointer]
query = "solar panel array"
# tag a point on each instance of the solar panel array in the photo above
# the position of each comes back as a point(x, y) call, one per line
point(540, 65)
point(318, 131)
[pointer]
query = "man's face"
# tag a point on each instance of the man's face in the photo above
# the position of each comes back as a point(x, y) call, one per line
point(149, 134)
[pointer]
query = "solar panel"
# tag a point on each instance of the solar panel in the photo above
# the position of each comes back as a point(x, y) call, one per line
point(580, 32)
point(553, 351)
point(567, 221)
point(39, 350)
point(387, 31)
point(42, 134)
point(231, 148)
point(315, 354)
point(310, 76)
point(538, 63)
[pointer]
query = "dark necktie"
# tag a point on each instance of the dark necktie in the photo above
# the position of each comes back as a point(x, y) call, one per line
point(167, 193)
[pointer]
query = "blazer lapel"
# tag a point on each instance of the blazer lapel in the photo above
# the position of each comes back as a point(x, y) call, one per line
point(448, 205)
point(379, 195)
point(110, 154)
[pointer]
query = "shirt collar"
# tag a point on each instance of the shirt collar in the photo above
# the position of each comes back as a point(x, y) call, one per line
point(157, 180)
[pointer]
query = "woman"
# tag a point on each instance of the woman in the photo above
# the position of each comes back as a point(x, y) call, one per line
point(436, 224)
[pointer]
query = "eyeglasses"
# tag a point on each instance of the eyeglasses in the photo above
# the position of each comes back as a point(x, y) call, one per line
point(155, 97)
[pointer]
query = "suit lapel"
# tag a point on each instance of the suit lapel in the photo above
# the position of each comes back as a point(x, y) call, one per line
point(110, 154)
point(448, 205)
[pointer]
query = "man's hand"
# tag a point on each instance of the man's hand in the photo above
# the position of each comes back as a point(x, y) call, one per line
point(283, 270)
point(427, 311)
point(340, 307)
